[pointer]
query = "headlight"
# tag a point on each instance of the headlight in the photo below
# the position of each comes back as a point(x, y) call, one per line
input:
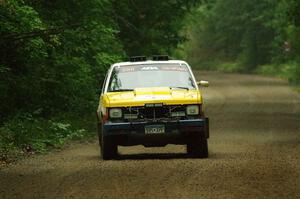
point(192, 110)
point(115, 113)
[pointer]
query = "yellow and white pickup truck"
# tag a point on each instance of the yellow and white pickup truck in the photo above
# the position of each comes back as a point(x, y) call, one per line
point(152, 103)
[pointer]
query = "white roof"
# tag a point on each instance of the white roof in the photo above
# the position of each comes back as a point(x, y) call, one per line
point(149, 62)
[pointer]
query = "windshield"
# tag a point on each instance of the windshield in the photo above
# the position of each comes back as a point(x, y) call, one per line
point(129, 77)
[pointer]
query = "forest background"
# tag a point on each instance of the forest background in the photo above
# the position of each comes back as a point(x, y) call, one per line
point(54, 54)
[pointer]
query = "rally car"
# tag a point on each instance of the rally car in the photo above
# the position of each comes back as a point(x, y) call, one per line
point(152, 103)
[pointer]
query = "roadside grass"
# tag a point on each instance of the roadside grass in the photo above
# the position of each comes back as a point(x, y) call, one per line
point(297, 88)
point(226, 67)
point(27, 134)
point(286, 71)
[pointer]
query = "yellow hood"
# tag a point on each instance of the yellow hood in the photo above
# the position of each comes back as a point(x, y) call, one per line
point(142, 96)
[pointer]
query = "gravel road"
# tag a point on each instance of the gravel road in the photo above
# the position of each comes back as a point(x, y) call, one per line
point(254, 153)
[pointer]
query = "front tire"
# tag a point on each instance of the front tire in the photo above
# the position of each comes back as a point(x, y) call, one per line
point(197, 147)
point(99, 131)
point(109, 149)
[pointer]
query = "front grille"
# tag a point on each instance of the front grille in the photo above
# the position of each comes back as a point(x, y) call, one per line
point(152, 113)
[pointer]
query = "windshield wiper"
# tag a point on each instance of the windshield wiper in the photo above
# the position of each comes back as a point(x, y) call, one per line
point(179, 87)
point(122, 90)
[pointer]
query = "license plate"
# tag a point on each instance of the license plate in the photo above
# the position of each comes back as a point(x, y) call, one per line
point(154, 129)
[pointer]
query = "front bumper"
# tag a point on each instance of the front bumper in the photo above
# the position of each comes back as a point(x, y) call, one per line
point(176, 127)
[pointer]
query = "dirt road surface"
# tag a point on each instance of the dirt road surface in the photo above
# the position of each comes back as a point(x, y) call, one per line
point(254, 153)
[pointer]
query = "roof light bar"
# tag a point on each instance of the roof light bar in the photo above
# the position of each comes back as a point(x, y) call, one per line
point(138, 58)
point(160, 57)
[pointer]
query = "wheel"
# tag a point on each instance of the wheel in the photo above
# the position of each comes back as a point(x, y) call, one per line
point(99, 131)
point(109, 149)
point(197, 147)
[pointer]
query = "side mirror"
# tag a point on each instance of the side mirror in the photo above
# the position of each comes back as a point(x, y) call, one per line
point(203, 83)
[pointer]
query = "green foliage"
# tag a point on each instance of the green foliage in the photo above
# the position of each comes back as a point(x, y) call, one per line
point(289, 70)
point(227, 67)
point(54, 55)
point(151, 27)
point(250, 33)
point(230, 67)
point(31, 134)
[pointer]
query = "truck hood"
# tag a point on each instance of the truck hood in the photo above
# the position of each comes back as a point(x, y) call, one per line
point(142, 96)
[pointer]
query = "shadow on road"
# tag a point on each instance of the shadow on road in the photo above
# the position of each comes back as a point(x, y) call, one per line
point(166, 156)
point(145, 156)
point(169, 156)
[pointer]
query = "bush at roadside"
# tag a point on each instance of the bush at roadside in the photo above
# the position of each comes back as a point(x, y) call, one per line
point(26, 134)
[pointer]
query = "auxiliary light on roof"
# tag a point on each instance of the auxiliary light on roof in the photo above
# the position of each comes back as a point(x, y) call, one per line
point(138, 58)
point(160, 57)
point(154, 58)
